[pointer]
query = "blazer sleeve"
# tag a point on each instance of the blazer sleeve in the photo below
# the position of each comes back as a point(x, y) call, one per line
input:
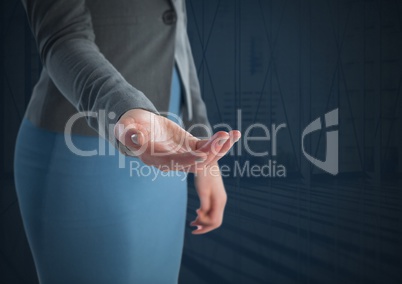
point(66, 43)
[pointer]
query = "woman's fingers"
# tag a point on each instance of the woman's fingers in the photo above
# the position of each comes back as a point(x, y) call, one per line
point(234, 136)
point(206, 222)
point(188, 161)
point(213, 145)
point(218, 147)
point(209, 216)
point(206, 145)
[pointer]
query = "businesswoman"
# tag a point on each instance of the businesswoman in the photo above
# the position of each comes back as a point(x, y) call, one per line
point(111, 70)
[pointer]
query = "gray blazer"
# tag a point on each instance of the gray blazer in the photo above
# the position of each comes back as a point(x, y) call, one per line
point(110, 55)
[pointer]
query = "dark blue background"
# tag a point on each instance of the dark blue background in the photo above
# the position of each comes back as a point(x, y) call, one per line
point(279, 62)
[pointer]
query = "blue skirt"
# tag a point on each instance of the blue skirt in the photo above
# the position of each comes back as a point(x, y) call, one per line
point(90, 221)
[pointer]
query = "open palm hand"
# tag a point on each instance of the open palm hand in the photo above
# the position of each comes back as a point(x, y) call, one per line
point(160, 142)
